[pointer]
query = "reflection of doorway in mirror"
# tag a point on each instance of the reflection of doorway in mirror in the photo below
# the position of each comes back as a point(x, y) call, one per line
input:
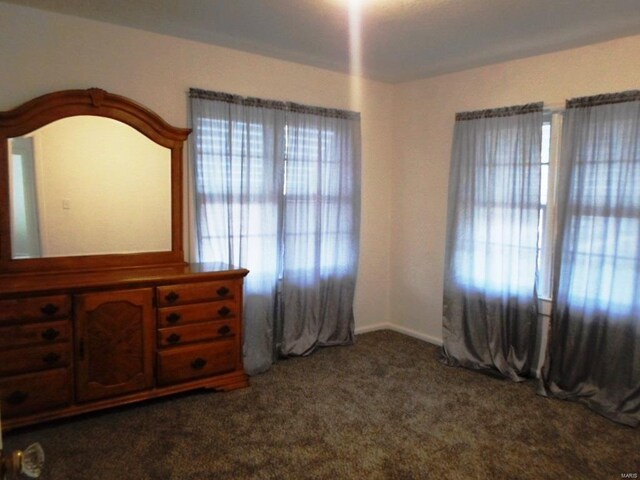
point(25, 235)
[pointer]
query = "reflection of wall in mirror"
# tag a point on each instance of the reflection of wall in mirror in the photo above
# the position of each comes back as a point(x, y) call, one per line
point(101, 193)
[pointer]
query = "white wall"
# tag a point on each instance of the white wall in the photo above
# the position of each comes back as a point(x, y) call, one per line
point(424, 115)
point(42, 52)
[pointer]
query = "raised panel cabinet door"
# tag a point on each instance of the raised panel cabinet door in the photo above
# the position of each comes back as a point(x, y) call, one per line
point(114, 343)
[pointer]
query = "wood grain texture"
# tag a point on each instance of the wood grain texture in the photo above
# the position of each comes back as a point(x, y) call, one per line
point(115, 357)
point(114, 343)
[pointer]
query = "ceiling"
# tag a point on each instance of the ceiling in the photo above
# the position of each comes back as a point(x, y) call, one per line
point(400, 40)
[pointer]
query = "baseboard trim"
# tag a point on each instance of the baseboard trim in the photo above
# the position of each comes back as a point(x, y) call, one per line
point(403, 330)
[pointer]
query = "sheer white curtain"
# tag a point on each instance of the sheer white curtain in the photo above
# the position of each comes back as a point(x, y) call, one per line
point(594, 347)
point(490, 304)
point(277, 191)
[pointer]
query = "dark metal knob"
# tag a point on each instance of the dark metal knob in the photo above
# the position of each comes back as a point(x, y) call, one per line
point(50, 309)
point(224, 330)
point(51, 358)
point(171, 297)
point(223, 291)
point(173, 317)
point(173, 338)
point(198, 363)
point(50, 334)
point(224, 311)
point(17, 397)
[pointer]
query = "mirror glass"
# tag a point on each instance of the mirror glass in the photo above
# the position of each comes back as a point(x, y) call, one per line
point(88, 185)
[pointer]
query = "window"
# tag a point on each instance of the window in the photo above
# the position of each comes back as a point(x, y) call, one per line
point(316, 187)
point(235, 151)
point(594, 220)
point(602, 231)
point(497, 205)
point(546, 227)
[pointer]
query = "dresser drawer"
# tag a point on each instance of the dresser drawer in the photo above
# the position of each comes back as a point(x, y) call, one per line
point(25, 394)
point(196, 292)
point(34, 334)
point(187, 363)
point(23, 310)
point(195, 313)
point(197, 332)
point(32, 359)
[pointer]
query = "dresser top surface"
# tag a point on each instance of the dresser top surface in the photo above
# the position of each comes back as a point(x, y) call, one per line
point(47, 283)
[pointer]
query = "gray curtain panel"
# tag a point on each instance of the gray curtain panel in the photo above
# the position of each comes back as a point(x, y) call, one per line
point(236, 150)
point(490, 303)
point(594, 349)
point(277, 189)
point(321, 231)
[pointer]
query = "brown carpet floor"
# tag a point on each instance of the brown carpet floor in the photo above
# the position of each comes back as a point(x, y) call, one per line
point(384, 408)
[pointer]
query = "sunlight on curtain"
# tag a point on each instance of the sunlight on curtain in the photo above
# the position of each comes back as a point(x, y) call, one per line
point(277, 189)
point(490, 305)
point(238, 187)
point(594, 351)
point(321, 231)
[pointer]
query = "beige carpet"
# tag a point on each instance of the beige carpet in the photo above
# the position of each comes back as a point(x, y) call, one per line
point(384, 408)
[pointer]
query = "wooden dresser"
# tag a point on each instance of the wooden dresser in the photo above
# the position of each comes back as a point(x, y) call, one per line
point(77, 342)
point(97, 306)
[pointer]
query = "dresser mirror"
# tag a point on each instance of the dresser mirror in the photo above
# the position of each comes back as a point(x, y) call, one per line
point(88, 180)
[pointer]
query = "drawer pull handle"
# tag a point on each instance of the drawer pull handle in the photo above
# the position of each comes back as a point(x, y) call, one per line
point(224, 330)
point(223, 291)
point(17, 397)
point(51, 358)
point(224, 311)
point(173, 338)
point(50, 334)
point(173, 317)
point(50, 309)
point(198, 363)
point(171, 297)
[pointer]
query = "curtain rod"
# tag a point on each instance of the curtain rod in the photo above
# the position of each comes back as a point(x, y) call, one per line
point(604, 99)
point(274, 104)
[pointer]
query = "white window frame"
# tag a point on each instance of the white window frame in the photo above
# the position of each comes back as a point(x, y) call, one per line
point(548, 233)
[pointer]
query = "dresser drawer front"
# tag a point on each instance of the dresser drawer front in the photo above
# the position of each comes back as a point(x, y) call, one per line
point(32, 359)
point(34, 334)
point(197, 332)
point(188, 363)
point(25, 394)
point(196, 313)
point(23, 310)
point(196, 292)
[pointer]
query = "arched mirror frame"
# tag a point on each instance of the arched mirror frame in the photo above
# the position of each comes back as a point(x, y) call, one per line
point(58, 105)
